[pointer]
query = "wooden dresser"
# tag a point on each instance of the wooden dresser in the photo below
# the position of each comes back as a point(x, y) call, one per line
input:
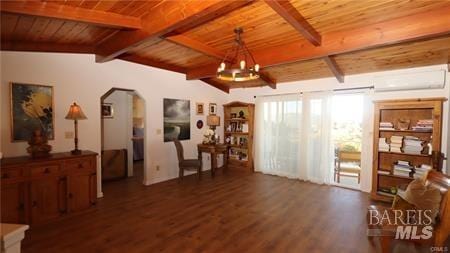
point(36, 191)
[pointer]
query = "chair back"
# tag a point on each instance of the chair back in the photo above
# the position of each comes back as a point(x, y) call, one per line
point(441, 182)
point(180, 152)
point(349, 156)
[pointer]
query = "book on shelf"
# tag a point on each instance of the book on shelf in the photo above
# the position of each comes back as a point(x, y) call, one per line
point(423, 125)
point(386, 126)
point(412, 145)
point(384, 172)
point(385, 191)
point(383, 145)
point(403, 168)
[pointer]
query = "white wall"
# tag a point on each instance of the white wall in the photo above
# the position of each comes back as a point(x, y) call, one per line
point(115, 130)
point(79, 78)
point(355, 81)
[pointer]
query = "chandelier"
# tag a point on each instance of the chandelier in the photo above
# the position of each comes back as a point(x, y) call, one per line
point(242, 67)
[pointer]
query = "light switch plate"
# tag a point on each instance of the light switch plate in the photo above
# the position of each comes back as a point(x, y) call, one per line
point(68, 135)
point(158, 131)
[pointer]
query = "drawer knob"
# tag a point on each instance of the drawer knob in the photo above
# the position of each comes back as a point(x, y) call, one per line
point(5, 175)
point(46, 170)
point(80, 166)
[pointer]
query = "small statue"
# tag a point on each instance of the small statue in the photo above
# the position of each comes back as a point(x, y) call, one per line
point(39, 145)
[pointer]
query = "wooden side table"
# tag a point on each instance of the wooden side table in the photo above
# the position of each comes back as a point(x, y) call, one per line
point(214, 150)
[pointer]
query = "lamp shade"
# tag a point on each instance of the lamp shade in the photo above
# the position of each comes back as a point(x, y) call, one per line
point(213, 120)
point(75, 112)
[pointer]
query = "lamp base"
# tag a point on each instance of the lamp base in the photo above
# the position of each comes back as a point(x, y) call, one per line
point(76, 152)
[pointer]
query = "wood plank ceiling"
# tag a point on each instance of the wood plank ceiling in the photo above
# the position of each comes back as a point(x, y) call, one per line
point(291, 39)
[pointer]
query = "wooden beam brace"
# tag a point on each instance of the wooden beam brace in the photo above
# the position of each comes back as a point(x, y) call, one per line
point(268, 80)
point(167, 17)
point(216, 84)
point(334, 67)
point(197, 46)
point(152, 63)
point(67, 12)
point(46, 47)
point(285, 9)
point(423, 25)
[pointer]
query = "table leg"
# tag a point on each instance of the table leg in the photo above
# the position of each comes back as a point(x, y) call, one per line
point(200, 158)
point(213, 163)
point(225, 160)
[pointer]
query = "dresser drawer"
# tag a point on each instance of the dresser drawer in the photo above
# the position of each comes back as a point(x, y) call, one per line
point(79, 164)
point(11, 173)
point(44, 170)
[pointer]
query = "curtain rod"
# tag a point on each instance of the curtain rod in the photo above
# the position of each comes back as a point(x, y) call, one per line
point(341, 89)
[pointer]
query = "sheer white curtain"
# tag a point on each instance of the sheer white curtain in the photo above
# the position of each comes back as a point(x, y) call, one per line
point(277, 135)
point(292, 136)
point(367, 141)
point(317, 155)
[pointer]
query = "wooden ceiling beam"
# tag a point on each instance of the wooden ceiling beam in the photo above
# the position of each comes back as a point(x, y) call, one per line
point(45, 47)
point(197, 46)
point(216, 84)
point(165, 18)
point(268, 80)
point(67, 12)
point(289, 13)
point(334, 67)
point(425, 25)
point(152, 63)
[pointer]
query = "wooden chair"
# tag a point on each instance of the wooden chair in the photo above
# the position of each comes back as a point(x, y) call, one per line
point(186, 164)
point(348, 164)
point(441, 229)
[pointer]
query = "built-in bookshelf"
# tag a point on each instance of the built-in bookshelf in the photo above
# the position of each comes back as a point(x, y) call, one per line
point(405, 134)
point(238, 133)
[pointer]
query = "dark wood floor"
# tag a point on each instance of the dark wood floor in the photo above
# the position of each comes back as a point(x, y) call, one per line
point(234, 212)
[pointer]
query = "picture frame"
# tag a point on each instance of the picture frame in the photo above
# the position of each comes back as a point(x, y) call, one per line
point(107, 111)
point(31, 108)
point(200, 108)
point(177, 119)
point(212, 108)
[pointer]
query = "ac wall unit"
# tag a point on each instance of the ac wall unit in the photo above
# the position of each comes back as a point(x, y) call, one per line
point(412, 81)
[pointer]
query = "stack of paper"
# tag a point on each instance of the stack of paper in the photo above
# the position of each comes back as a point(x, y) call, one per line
point(421, 171)
point(412, 145)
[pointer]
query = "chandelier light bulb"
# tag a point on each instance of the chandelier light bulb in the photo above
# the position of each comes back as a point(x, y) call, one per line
point(222, 65)
point(242, 63)
point(257, 67)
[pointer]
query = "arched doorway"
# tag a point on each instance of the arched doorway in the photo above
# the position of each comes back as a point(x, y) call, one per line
point(123, 136)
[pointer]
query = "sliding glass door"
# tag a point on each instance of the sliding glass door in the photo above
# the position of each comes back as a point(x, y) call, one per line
point(347, 120)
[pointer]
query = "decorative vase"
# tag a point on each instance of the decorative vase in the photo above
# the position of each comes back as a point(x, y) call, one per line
point(38, 145)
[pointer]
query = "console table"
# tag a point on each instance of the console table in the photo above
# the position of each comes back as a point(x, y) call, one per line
point(214, 150)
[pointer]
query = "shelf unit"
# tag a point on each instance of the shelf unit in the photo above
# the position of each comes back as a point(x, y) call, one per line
point(239, 154)
point(392, 111)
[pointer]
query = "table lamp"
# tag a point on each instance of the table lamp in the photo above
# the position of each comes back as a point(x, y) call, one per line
point(213, 121)
point(75, 113)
